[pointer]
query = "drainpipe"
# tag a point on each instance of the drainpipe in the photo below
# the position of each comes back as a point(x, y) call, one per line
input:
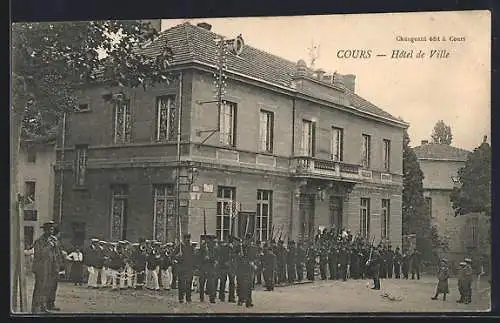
point(292, 196)
point(61, 185)
point(178, 168)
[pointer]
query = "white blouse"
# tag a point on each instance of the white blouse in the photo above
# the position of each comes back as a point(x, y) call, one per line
point(75, 256)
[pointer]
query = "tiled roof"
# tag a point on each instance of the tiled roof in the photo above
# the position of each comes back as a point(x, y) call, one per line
point(440, 151)
point(192, 43)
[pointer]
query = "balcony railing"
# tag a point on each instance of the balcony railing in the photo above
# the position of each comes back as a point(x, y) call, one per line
point(304, 166)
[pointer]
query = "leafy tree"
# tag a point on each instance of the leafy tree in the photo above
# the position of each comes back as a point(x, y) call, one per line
point(51, 60)
point(474, 193)
point(416, 219)
point(441, 134)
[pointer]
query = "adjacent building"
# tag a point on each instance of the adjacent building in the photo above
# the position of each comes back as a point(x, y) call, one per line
point(466, 235)
point(36, 183)
point(290, 149)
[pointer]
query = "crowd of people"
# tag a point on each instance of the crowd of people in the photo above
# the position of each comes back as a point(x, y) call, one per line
point(233, 267)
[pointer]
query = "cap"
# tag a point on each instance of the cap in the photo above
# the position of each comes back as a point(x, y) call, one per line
point(157, 243)
point(148, 241)
point(169, 243)
point(468, 260)
point(463, 263)
point(126, 241)
point(94, 240)
point(48, 224)
point(113, 243)
point(136, 244)
point(122, 242)
point(102, 242)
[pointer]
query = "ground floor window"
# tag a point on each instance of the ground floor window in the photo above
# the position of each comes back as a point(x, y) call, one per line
point(364, 217)
point(264, 214)
point(226, 197)
point(119, 205)
point(164, 212)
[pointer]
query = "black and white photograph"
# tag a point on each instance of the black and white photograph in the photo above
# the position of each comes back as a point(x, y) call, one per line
point(244, 165)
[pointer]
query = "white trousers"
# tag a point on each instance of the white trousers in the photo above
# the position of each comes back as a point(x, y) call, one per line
point(93, 273)
point(126, 277)
point(166, 278)
point(152, 279)
point(114, 277)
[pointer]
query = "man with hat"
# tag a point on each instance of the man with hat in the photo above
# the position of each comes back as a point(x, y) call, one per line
point(89, 258)
point(461, 282)
point(101, 259)
point(139, 263)
point(291, 262)
point(398, 259)
point(468, 277)
point(269, 265)
point(443, 275)
point(185, 260)
point(208, 262)
point(281, 258)
point(45, 268)
point(59, 255)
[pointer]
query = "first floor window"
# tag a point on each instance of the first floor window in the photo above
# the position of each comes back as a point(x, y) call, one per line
point(264, 214)
point(337, 143)
point(80, 165)
point(266, 131)
point(387, 155)
point(29, 191)
point(308, 138)
point(226, 197)
point(165, 118)
point(122, 122)
point(474, 232)
point(366, 151)
point(227, 124)
point(386, 217)
point(119, 204)
point(164, 212)
point(364, 217)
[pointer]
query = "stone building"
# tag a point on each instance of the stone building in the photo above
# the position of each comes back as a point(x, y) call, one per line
point(36, 182)
point(466, 235)
point(289, 150)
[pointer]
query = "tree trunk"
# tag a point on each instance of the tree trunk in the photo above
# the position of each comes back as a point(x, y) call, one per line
point(18, 277)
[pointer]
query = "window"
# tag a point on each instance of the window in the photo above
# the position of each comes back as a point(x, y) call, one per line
point(165, 118)
point(266, 131)
point(122, 122)
point(365, 154)
point(29, 191)
point(387, 155)
point(428, 206)
point(31, 155)
point(226, 196)
point(30, 215)
point(365, 217)
point(386, 218)
point(83, 107)
point(264, 214)
point(119, 201)
point(164, 212)
point(29, 236)
point(474, 232)
point(227, 124)
point(78, 233)
point(337, 144)
point(308, 138)
point(80, 165)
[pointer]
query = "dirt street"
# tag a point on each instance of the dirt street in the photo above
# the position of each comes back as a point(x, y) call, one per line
point(320, 296)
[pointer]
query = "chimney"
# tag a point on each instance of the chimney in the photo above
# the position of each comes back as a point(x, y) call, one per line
point(154, 23)
point(350, 82)
point(338, 79)
point(424, 142)
point(319, 74)
point(205, 25)
point(301, 68)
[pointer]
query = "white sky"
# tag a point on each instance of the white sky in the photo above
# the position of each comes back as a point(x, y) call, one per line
point(456, 90)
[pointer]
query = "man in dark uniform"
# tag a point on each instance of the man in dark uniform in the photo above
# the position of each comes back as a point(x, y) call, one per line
point(383, 261)
point(310, 261)
point(281, 255)
point(139, 256)
point(258, 263)
point(274, 249)
point(208, 263)
point(333, 259)
point(323, 259)
point(269, 265)
point(397, 259)
point(390, 261)
point(343, 262)
point(415, 264)
point(291, 262)
point(374, 265)
point(405, 266)
point(224, 261)
point(185, 260)
point(44, 267)
point(354, 263)
point(301, 258)
point(246, 271)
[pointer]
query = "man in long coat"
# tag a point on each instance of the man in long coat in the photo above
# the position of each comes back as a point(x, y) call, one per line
point(45, 268)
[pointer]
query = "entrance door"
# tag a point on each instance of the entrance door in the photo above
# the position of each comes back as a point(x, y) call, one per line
point(306, 208)
point(246, 224)
point(336, 206)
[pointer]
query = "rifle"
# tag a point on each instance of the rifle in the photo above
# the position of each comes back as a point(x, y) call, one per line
point(281, 233)
point(204, 223)
point(371, 249)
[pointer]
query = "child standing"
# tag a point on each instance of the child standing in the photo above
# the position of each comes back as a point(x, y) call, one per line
point(443, 275)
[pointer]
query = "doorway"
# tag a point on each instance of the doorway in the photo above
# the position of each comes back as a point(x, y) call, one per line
point(336, 216)
point(306, 209)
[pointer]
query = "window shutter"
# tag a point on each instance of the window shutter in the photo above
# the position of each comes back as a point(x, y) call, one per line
point(313, 139)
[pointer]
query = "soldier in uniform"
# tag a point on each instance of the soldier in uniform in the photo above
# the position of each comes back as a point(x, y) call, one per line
point(274, 248)
point(374, 265)
point(415, 264)
point(269, 264)
point(258, 263)
point(224, 259)
point(383, 261)
point(186, 261)
point(390, 261)
point(332, 260)
point(166, 266)
point(153, 260)
point(291, 262)
point(139, 263)
point(208, 262)
point(343, 262)
point(89, 260)
point(126, 272)
point(281, 255)
point(45, 267)
point(101, 265)
point(397, 259)
point(354, 263)
point(461, 282)
point(405, 266)
point(323, 259)
point(310, 261)
point(468, 277)
point(301, 257)
point(246, 271)
point(116, 265)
